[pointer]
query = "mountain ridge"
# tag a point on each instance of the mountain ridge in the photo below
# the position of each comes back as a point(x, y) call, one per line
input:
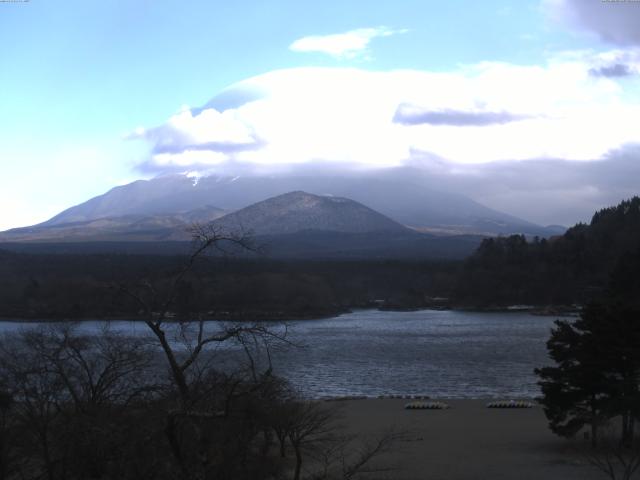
point(400, 194)
point(293, 225)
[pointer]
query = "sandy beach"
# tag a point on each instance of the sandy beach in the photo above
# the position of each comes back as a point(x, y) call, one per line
point(469, 441)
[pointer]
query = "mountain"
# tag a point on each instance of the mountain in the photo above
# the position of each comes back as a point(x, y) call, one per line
point(298, 211)
point(285, 214)
point(293, 225)
point(302, 225)
point(402, 194)
point(130, 227)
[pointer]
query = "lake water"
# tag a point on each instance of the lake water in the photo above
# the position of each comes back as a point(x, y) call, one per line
point(446, 354)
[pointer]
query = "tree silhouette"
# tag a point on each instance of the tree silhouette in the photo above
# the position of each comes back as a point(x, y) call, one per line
point(597, 372)
point(574, 391)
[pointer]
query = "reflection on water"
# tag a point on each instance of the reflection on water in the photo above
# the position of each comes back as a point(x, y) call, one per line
point(438, 353)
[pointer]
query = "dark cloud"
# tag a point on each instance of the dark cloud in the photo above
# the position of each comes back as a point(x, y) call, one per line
point(545, 191)
point(410, 115)
point(617, 70)
point(614, 21)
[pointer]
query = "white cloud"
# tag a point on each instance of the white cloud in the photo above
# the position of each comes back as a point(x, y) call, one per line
point(188, 158)
point(187, 130)
point(342, 45)
point(483, 113)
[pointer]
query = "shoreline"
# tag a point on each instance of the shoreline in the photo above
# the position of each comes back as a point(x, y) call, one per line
point(541, 311)
point(221, 318)
point(468, 441)
point(424, 397)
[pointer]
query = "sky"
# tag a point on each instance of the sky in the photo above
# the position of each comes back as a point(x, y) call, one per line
point(531, 107)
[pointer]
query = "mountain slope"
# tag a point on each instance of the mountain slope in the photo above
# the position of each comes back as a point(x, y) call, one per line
point(293, 225)
point(403, 194)
point(117, 228)
point(300, 211)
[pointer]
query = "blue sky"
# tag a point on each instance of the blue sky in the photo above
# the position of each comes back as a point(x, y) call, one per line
point(89, 90)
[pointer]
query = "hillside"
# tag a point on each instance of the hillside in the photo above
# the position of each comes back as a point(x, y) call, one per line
point(571, 268)
point(402, 194)
point(300, 211)
point(125, 228)
point(293, 225)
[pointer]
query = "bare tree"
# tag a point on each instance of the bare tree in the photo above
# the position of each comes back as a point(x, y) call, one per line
point(70, 393)
point(194, 424)
point(96, 406)
point(366, 453)
point(93, 370)
point(349, 457)
point(6, 451)
point(614, 458)
point(320, 448)
point(156, 306)
point(310, 424)
point(37, 393)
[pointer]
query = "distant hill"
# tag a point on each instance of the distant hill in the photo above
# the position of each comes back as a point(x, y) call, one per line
point(293, 225)
point(299, 211)
point(402, 194)
point(571, 268)
point(167, 227)
point(285, 214)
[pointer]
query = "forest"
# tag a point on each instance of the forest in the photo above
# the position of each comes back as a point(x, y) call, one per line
point(560, 271)
point(569, 269)
point(88, 286)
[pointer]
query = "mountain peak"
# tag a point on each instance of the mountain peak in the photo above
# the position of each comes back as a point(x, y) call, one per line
point(299, 211)
point(399, 194)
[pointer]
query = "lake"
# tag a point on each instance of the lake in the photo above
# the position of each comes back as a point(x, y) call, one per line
point(445, 354)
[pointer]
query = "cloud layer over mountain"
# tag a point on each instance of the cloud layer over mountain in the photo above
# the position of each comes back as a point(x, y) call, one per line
point(549, 142)
point(544, 191)
point(572, 108)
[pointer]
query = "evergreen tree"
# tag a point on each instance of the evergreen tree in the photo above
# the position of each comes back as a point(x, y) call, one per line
point(616, 329)
point(597, 372)
point(575, 391)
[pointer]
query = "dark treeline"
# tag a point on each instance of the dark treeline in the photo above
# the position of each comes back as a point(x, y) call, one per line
point(69, 286)
point(563, 270)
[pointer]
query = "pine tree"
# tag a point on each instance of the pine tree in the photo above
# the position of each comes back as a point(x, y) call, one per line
point(575, 391)
point(597, 372)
